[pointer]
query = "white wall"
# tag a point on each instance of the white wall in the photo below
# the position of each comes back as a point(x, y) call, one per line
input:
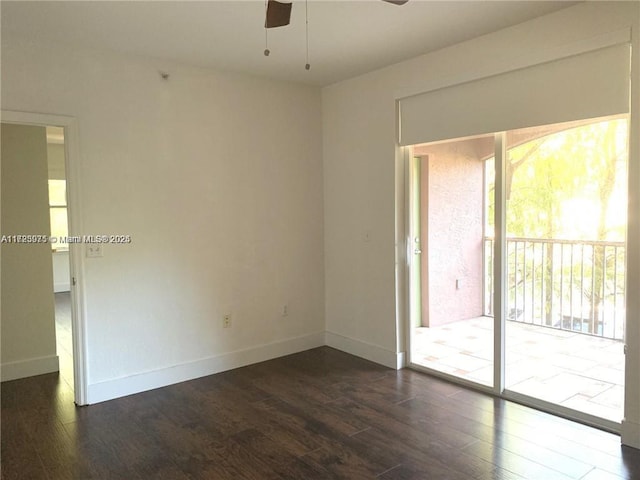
point(361, 174)
point(217, 177)
point(27, 309)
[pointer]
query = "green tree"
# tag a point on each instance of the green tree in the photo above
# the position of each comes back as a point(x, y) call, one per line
point(562, 186)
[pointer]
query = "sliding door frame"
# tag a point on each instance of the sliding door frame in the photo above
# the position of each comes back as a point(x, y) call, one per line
point(413, 289)
point(499, 265)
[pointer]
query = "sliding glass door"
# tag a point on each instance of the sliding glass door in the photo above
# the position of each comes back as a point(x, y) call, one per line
point(527, 294)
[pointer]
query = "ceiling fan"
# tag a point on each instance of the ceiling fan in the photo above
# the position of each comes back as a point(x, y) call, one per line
point(278, 13)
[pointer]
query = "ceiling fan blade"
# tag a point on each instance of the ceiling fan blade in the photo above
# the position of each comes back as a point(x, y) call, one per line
point(396, 2)
point(278, 14)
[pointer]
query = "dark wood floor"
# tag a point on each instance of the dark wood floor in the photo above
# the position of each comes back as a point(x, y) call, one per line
point(320, 414)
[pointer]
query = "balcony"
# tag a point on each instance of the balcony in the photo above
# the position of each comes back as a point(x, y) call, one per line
point(564, 326)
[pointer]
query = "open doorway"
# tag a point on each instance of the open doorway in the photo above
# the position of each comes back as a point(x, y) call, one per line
point(42, 327)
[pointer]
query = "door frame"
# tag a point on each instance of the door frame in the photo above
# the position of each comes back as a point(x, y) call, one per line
point(74, 207)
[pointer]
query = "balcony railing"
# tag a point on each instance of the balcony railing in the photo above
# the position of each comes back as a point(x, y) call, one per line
point(577, 286)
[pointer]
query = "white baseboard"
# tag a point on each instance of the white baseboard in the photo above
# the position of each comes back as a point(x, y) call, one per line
point(630, 433)
point(120, 387)
point(365, 350)
point(61, 287)
point(29, 368)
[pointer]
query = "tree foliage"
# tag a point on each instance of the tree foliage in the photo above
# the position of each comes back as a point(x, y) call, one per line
point(569, 185)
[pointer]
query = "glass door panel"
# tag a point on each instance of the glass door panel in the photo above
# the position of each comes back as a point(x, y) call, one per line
point(566, 211)
point(453, 330)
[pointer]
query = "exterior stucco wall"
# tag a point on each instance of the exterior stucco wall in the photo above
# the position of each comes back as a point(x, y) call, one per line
point(452, 216)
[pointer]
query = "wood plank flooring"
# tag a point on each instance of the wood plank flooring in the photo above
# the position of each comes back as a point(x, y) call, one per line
point(320, 414)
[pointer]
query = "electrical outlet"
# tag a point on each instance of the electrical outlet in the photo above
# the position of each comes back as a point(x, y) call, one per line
point(94, 250)
point(285, 310)
point(226, 321)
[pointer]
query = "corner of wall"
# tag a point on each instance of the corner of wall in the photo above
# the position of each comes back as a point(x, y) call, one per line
point(368, 351)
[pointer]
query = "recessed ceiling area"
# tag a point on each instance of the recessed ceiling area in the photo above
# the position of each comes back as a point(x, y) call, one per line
point(346, 38)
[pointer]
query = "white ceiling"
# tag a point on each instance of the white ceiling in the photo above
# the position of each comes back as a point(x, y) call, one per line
point(347, 38)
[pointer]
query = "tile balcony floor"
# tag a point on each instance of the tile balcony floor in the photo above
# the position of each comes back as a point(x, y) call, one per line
point(570, 369)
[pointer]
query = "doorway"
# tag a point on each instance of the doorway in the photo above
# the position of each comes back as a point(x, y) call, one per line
point(61, 265)
point(522, 275)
